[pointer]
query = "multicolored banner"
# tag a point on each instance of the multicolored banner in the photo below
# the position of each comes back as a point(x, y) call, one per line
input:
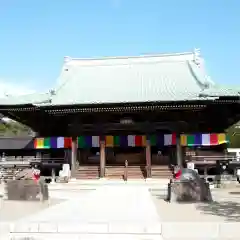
point(127, 141)
point(52, 142)
point(112, 141)
point(206, 139)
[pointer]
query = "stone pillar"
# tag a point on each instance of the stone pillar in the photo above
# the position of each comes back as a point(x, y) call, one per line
point(102, 159)
point(148, 159)
point(73, 156)
point(39, 156)
point(53, 175)
point(179, 151)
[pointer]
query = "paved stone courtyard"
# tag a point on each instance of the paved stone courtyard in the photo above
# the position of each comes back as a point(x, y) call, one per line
point(137, 210)
point(225, 208)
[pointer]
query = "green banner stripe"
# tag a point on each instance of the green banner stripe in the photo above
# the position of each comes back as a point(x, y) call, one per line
point(46, 142)
point(153, 140)
point(116, 141)
point(190, 140)
point(82, 142)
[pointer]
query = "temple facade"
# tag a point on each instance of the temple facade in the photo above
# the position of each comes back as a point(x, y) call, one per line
point(148, 110)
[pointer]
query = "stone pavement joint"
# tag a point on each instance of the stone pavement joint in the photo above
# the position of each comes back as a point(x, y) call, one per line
point(170, 230)
point(82, 237)
point(82, 228)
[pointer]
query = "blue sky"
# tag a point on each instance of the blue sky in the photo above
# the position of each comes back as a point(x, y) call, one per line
point(37, 34)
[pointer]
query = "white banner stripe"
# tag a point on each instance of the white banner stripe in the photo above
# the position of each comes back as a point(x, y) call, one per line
point(131, 140)
point(95, 141)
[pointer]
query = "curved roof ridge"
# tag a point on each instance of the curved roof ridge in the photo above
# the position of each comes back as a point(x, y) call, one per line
point(199, 75)
point(184, 55)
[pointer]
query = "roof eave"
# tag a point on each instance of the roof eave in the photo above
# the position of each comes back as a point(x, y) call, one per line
point(32, 99)
point(220, 91)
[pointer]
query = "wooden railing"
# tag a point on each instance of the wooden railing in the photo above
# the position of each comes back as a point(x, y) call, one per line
point(22, 161)
point(216, 162)
point(212, 159)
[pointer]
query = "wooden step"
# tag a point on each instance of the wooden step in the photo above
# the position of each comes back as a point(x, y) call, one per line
point(161, 171)
point(114, 172)
point(87, 172)
point(117, 172)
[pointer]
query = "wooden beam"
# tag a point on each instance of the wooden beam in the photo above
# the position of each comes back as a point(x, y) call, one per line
point(140, 126)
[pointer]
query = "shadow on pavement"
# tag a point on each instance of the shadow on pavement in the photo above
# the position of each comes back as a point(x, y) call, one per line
point(227, 209)
point(234, 193)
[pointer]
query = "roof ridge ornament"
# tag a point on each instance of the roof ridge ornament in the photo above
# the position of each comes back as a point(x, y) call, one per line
point(52, 92)
point(197, 56)
point(67, 59)
point(6, 94)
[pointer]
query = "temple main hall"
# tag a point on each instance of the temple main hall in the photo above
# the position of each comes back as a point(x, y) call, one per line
point(147, 110)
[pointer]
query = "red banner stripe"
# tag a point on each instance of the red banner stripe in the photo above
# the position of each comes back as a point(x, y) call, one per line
point(138, 141)
point(213, 139)
point(67, 142)
point(174, 139)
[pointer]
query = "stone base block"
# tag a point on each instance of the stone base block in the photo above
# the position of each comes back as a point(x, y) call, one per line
point(189, 191)
point(27, 190)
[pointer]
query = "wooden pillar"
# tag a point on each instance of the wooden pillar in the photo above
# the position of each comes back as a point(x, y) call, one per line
point(102, 159)
point(179, 150)
point(148, 159)
point(73, 156)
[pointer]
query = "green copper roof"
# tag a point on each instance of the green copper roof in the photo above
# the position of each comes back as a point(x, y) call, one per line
point(137, 81)
point(134, 79)
point(175, 77)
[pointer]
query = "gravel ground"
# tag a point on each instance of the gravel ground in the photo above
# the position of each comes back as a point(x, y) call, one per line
point(225, 208)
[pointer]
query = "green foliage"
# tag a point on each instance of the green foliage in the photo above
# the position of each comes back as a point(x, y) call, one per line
point(9, 129)
point(234, 135)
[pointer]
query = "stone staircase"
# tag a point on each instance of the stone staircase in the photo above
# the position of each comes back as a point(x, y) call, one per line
point(161, 172)
point(117, 172)
point(9, 174)
point(12, 173)
point(87, 172)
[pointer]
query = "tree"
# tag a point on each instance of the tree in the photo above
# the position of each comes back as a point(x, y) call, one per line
point(12, 128)
point(233, 134)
